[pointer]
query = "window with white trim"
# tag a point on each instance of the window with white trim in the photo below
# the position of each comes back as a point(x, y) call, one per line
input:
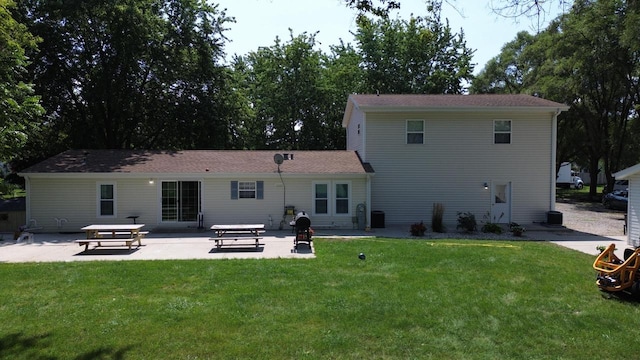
point(415, 131)
point(106, 200)
point(321, 199)
point(332, 198)
point(502, 131)
point(247, 190)
point(343, 199)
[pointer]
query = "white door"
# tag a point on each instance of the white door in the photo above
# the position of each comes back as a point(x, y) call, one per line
point(501, 202)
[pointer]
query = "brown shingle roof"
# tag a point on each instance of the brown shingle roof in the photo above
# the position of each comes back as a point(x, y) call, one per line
point(199, 161)
point(453, 101)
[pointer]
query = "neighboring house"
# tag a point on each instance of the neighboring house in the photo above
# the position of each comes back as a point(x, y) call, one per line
point(199, 188)
point(633, 207)
point(491, 155)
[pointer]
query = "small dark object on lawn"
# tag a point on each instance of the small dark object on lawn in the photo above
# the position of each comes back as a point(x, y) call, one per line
point(362, 256)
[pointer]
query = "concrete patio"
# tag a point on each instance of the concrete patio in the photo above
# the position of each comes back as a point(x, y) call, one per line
point(48, 247)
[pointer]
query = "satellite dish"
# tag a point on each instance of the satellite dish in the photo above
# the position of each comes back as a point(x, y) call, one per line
point(278, 159)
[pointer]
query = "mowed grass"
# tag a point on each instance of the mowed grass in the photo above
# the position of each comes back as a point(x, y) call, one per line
point(410, 299)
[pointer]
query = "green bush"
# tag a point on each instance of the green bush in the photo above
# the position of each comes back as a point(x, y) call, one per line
point(418, 229)
point(467, 222)
point(492, 228)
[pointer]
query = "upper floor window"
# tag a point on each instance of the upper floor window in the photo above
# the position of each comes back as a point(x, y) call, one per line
point(502, 131)
point(415, 131)
point(106, 200)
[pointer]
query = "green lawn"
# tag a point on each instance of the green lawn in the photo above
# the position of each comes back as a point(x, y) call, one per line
point(410, 299)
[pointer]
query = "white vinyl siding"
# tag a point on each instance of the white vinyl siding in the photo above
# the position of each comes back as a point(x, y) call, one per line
point(455, 162)
point(633, 211)
point(75, 199)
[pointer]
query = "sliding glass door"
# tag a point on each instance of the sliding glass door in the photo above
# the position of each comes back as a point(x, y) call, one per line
point(180, 200)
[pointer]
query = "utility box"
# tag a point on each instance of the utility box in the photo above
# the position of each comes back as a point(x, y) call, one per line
point(554, 218)
point(377, 219)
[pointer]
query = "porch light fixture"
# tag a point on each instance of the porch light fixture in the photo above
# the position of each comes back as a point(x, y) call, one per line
point(151, 181)
point(486, 186)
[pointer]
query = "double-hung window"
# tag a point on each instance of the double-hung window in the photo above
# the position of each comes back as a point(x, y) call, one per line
point(106, 200)
point(415, 131)
point(502, 131)
point(321, 199)
point(247, 190)
point(342, 198)
point(331, 198)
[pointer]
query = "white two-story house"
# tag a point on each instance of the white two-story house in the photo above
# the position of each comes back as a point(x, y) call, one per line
point(490, 155)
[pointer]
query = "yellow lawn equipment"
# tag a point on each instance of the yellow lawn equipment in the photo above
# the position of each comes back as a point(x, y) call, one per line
point(615, 274)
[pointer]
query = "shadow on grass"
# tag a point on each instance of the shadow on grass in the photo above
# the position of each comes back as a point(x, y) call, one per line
point(105, 353)
point(302, 248)
point(626, 297)
point(19, 345)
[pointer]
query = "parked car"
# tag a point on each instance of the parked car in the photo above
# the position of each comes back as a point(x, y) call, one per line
point(616, 199)
point(621, 185)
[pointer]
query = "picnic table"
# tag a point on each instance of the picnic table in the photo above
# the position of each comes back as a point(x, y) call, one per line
point(237, 232)
point(112, 233)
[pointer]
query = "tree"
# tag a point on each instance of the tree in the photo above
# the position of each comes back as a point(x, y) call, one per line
point(132, 73)
point(585, 59)
point(507, 8)
point(19, 106)
point(292, 97)
point(508, 72)
point(602, 71)
point(420, 55)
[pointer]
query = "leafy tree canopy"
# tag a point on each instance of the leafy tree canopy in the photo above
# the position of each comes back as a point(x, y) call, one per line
point(19, 107)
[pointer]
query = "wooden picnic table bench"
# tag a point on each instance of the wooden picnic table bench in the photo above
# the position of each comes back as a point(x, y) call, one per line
point(100, 241)
point(112, 233)
point(237, 232)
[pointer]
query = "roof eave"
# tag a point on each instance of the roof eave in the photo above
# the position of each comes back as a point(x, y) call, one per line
point(523, 109)
point(627, 173)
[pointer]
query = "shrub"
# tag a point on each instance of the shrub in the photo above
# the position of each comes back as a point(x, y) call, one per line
point(492, 228)
point(516, 229)
point(467, 222)
point(418, 229)
point(436, 218)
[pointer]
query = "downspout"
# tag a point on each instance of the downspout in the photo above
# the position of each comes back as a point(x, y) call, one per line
point(554, 147)
point(368, 202)
point(27, 202)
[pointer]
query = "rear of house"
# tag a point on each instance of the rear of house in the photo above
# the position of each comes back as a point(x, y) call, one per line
point(491, 155)
point(190, 189)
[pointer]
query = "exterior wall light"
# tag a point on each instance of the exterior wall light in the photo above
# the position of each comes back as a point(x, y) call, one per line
point(486, 186)
point(151, 181)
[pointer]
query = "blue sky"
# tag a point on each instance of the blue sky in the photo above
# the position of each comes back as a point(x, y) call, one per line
point(258, 22)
